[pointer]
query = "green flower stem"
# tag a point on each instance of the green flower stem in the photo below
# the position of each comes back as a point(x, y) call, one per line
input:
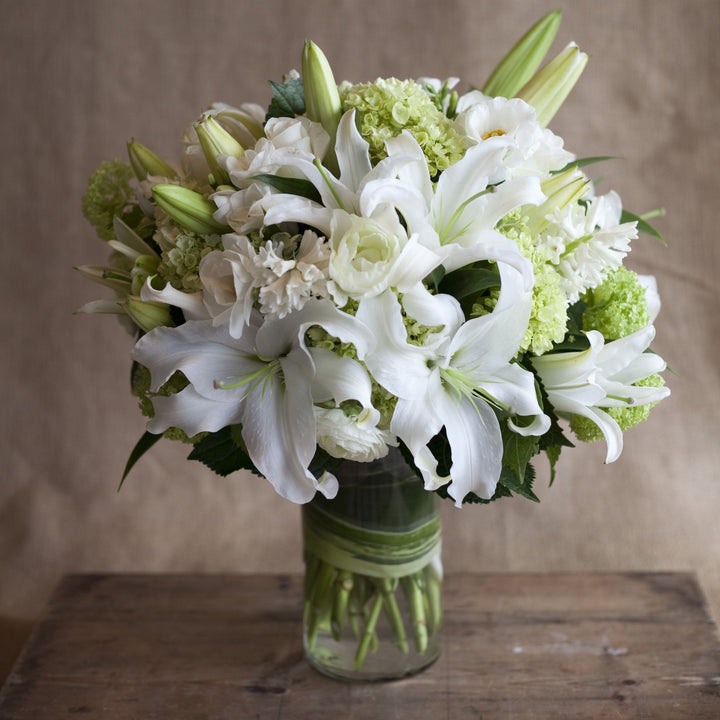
point(432, 584)
point(319, 606)
point(387, 588)
point(344, 584)
point(369, 634)
point(414, 596)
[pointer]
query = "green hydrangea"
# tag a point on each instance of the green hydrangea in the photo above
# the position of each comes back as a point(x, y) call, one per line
point(108, 195)
point(626, 417)
point(548, 317)
point(617, 307)
point(386, 107)
point(180, 264)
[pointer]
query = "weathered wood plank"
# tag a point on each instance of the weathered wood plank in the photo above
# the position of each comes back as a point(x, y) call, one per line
point(577, 645)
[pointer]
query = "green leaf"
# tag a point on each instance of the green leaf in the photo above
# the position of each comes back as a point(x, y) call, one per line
point(147, 440)
point(582, 162)
point(469, 281)
point(523, 487)
point(554, 440)
point(643, 226)
point(223, 452)
point(292, 186)
point(517, 451)
point(553, 455)
point(288, 99)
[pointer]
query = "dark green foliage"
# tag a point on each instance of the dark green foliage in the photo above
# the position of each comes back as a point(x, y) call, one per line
point(288, 99)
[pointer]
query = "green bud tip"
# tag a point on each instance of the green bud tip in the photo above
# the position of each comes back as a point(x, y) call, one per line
point(322, 99)
point(547, 89)
point(216, 141)
point(144, 162)
point(520, 64)
point(189, 209)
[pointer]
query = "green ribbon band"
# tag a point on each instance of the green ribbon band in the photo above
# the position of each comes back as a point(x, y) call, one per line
point(376, 553)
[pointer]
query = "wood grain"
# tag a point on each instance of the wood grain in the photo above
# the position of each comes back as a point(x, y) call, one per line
point(579, 645)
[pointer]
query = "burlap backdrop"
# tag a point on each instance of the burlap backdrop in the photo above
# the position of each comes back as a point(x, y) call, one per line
point(79, 78)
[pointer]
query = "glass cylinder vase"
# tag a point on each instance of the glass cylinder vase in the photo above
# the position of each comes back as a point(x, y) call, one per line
point(373, 574)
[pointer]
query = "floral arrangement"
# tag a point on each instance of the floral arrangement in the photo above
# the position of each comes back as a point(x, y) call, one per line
point(384, 264)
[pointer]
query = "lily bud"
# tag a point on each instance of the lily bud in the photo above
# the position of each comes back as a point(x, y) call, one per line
point(148, 315)
point(322, 100)
point(547, 90)
point(520, 64)
point(241, 125)
point(189, 209)
point(118, 280)
point(144, 162)
point(560, 190)
point(216, 141)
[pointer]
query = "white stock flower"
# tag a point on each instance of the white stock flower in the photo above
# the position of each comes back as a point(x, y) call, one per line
point(262, 381)
point(228, 279)
point(588, 242)
point(235, 277)
point(289, 283)
point(534, 150)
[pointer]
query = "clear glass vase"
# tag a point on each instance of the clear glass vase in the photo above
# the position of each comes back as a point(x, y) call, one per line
point(373, 574)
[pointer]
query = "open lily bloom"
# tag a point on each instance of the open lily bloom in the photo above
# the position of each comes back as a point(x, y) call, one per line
point(603, 376)
point(261, 381)
point(454, 380)
point(456, 216)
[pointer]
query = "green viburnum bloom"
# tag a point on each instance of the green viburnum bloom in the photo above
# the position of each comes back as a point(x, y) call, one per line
point(618, 306)
point(180, 264)
point(108, 196)
point(386, 107)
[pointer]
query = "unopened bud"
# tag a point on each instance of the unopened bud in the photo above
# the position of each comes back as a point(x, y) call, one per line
point(189, 209)
point(547, 90)
point(519, 65)
point(144, 162)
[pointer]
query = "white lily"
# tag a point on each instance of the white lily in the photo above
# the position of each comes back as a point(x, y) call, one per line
point(454, 380)
point(456, 216)
point(603, 376)
point(261, 380)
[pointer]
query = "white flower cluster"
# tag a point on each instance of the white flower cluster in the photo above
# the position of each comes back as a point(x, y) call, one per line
point(334, 311)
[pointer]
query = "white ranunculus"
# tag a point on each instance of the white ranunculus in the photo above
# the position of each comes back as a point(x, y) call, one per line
point(358, 438)
point(363, 255)
point(300, 133)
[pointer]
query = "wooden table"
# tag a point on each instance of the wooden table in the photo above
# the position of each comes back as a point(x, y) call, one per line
point(545, 646)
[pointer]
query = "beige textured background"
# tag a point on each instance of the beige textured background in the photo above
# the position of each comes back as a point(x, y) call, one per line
point(79, 78)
